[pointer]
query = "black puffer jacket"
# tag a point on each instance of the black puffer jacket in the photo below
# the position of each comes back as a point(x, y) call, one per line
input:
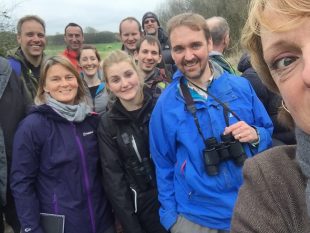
point(270, 100)
point(128, 172)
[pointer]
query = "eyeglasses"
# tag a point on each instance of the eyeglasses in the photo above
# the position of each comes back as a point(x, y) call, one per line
point(149, 21)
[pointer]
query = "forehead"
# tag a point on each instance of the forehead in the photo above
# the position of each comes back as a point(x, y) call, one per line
point(73, 30)
point(147, 45)
point(129, 26)
point(183, 35)
point(119, 68)
point(32, 25)
point(57, 69)
point(87, 52)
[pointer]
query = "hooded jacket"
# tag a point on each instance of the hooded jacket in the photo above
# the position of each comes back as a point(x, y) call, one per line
point(28, 72)
point(178, 150)
point(12, 93)
point(130, 186)
point(55, 170)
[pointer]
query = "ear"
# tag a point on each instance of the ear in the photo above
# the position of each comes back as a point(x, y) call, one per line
point(226, 40)
point(18, 37)
point(210, 44)
point(135, 55)
point(160, 57)
point(45, 89)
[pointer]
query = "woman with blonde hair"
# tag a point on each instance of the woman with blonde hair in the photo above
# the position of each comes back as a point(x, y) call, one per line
point(275, 196)
point(128, 171)
point(56, 158)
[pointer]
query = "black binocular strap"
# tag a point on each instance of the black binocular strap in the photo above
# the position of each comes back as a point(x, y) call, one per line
point(190, 105)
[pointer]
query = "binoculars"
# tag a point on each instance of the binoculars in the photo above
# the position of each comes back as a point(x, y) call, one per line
point(217, 152)
point(143, 173)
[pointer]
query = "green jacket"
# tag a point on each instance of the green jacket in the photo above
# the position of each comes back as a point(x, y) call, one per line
point(27, 70)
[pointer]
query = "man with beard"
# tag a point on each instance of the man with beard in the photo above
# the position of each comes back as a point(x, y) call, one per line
point(203, 127)
point(27, 58)
point(148, 55)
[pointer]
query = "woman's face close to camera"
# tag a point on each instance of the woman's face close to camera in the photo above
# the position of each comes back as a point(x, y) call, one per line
point(287, 54)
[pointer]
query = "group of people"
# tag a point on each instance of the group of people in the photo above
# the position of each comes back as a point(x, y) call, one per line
point(121, 142)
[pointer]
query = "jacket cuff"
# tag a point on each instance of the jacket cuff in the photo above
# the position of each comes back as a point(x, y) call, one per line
point(168, 219)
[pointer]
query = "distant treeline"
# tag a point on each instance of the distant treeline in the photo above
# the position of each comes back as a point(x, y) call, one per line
point(90, 38)
point(8, 39)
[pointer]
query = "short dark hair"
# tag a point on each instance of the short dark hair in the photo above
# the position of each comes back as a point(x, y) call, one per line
point(73, 25)
point(151, 40)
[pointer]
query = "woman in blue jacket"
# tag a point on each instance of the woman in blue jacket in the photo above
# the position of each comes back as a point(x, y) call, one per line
point(55, 157)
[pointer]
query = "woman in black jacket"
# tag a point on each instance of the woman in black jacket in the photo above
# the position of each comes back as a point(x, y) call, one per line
point(128, 172)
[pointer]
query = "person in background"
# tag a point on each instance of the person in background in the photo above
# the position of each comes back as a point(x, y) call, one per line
point(203, 127)
point(14, 102)
point(89, 61)
point(275, 195)
point(74, 39)
point(151, 26)
point(219, 30)
point(148, 55)
point(56, 159)
point(128, 172)
point(272, 101)
point(26, 60)
point(130, 33)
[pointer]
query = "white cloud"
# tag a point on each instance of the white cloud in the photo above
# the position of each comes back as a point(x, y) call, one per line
point(101, 15)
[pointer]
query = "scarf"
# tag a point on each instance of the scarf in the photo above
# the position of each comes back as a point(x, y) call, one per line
point(73, 113)
point(303, 158)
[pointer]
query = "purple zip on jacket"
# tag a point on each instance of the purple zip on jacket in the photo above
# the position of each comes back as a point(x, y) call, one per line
point(55, 170)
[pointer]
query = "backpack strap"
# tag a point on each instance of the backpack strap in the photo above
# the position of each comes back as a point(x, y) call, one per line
point(16, 66)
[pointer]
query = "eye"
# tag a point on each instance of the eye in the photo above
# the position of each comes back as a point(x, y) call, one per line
point(178, 49)
point(282, 63)
point(114, 79)
point(128, 74)
point(196, 45)
point(70, 77)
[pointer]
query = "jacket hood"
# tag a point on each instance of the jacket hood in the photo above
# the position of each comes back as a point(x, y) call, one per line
point(244, 63)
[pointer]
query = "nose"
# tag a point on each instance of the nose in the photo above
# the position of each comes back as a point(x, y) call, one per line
point(306, 69)
point(124, 82)
point(188, 54)
point(64, 82)
point(149, 56)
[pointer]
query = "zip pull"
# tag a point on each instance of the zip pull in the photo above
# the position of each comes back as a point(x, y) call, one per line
point(134, 145)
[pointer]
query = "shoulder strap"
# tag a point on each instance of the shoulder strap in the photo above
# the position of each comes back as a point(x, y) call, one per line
point(16, 66)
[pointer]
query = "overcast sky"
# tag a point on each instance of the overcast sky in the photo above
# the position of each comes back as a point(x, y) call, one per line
point(103, 15)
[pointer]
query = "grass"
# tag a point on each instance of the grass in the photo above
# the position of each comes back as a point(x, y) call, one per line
point(103, 48)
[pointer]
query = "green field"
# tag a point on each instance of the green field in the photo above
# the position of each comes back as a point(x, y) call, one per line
point(103, 49)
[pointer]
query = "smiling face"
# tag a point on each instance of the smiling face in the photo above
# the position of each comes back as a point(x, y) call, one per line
point(89, 62)
point(124, 81)
point(150, 26)
point(190, 50)
point(287, 54)
point(32, 39)
point(74, 38)
point(61, 84)
point(148, 56)
point(130, 34)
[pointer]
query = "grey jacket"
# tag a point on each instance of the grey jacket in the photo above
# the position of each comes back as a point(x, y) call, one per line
point(14, 101)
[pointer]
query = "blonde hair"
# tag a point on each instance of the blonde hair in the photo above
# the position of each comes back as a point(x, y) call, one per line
point(294, 10)
point(46, 65)
point(116, 57)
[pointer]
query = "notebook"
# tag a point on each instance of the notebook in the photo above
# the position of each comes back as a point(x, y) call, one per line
point(52, 223)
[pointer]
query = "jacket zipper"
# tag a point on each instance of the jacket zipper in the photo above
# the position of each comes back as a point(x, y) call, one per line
point(86, 180)
point(55, 203)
